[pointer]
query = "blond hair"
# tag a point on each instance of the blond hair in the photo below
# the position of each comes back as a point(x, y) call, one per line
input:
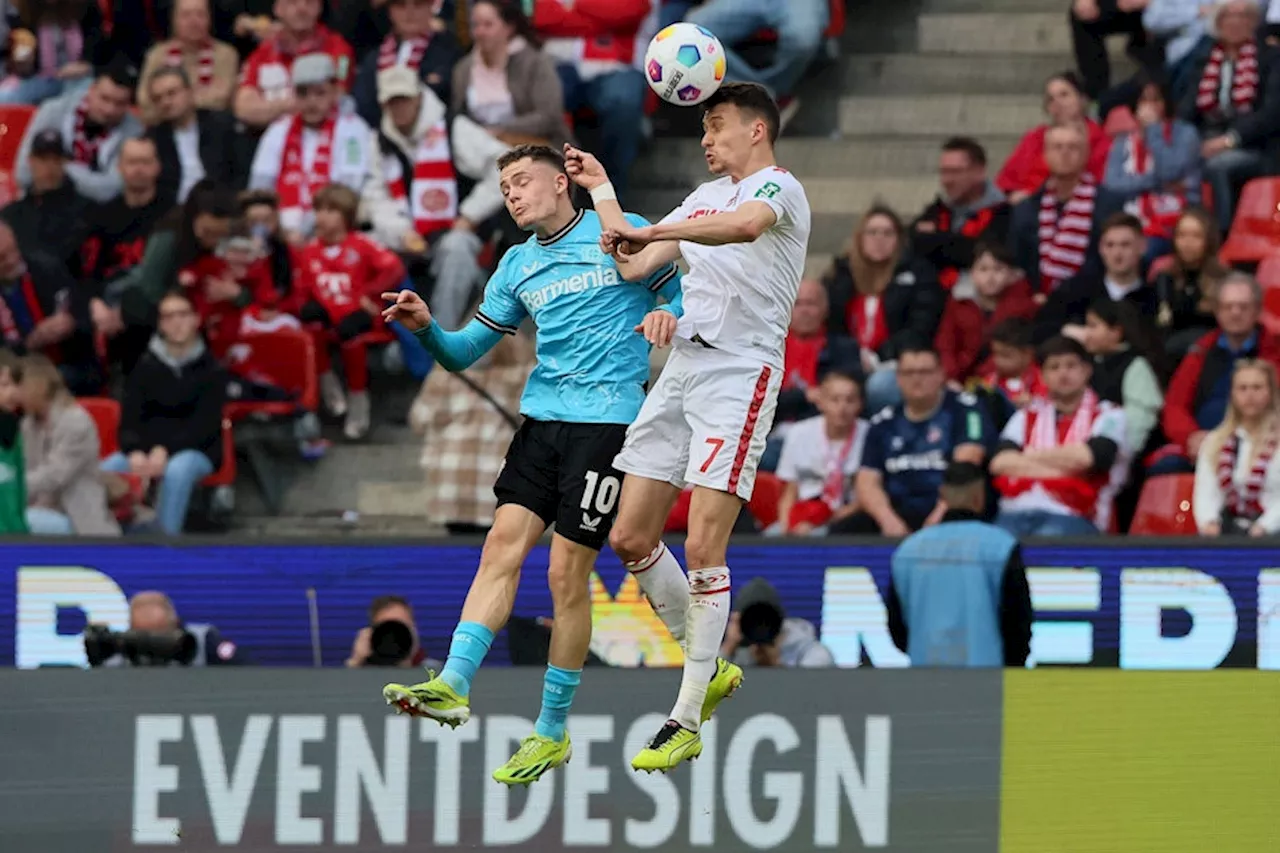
point(1232, 420)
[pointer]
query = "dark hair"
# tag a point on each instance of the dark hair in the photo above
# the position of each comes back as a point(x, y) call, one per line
point(1120, 219)
point(206, 199)
point(176, 293)
point(912, 344)
point(33, 13)
point(1144, 79)
point(1062, 345)
point(969, 146)
point(512, 14)
point(1071, 78)
point(960, 475)
point(170, 71)
point(842, 373)
point(10, 361)
point(1013, 332)
point(998, 251)
point(750, 98)
point(253, 198)
point(1137, 332)
point(537, 153)
point(382, 602)
point(121, 72)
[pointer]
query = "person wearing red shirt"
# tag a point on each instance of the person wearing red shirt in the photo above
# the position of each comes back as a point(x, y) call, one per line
point(266, 89)
point(341, 273)
point(964, 338)
point(223, 284)
point(1065, 103)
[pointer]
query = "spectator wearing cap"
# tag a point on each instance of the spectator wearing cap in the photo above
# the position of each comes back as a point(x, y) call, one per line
point(1235, 103)
point(44, 311)
point(418, 40)
point(54, 45)
point(970, 208)
point(192, 143)
point(1054, 233)
point(267, 89)
point(958, 592)
point(92, 122)
point(594, 43)
point(412, 194)
point(52, 215)
point(1027, 168)
point(319, 145)
point(210, 64)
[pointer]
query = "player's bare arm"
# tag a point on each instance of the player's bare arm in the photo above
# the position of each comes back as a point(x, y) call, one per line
point(744, 225)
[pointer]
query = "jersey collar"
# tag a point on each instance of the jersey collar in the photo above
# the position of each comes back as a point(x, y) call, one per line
point(559, 235)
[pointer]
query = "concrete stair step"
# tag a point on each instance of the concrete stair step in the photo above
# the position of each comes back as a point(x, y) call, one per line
point(947, 73)
point(971, 115)
point(1026, 33)
point(850, 196)
point(951, 6)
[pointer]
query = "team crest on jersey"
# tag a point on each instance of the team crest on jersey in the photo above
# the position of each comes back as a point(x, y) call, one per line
point(897, 442)
point(530, 268)
point(934, 435)
point(769, 190)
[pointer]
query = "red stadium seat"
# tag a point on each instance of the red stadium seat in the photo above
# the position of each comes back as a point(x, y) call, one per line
point(1164, 507)
point(1255, 231)
point(13, 126)
point(1119, 122)
point(285, 359)
point(226, 473)
point(1269, 279)
point(764, 500)
point(106, 415)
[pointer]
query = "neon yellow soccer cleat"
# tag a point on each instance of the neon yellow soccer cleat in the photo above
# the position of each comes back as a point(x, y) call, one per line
point(536, 755)
point(671, 745)
point(728, 678)
point(432, 699)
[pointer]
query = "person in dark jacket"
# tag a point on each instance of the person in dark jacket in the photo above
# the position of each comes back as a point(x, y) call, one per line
point(958, 591)
point(192, 144)
point(1121, 245)
point(882, 298)
point(52, 216)
point(1185, 287)
point(171, 416)
point(969, 209)
point(1053, 235)
point(418, 39)
point(1235, 104)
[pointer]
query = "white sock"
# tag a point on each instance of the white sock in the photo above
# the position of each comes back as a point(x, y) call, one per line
point(704, 631)
point(666, 587)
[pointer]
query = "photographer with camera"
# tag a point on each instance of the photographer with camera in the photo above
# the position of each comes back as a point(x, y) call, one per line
point(390, 638)
point(157, 637)
point(760, 634)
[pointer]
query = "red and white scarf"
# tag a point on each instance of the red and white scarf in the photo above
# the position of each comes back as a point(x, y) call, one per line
point(1043, 434)
point(83, 149)
point(297, 184)
point(835, 487)
point(1247, 502)
point(1064, 237)
point(204, 61)
point(431, 192)
point(1158, 210)
point(1244, 79)
point(389, 52)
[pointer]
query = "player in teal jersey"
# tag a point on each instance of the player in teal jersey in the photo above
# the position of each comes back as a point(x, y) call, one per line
point(593, 335)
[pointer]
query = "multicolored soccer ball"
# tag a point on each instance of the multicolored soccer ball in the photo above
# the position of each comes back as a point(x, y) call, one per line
point(684, 64)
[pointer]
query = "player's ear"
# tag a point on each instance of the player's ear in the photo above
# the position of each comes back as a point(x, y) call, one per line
point(562, 183)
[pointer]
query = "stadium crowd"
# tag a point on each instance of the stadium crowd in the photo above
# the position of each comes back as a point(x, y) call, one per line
point(209, 195)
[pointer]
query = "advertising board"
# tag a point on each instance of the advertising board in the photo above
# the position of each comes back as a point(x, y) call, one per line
point(1136, 604)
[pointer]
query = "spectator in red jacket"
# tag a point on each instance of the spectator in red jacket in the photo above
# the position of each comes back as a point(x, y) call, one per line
point(594, 43)
point(1065, 102)
point(969, 208)
point(997, 293)
point(1200, 390)
point(223, 284)
point(341, 273)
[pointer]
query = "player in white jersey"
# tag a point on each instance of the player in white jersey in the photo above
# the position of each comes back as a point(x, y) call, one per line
point(705, 422)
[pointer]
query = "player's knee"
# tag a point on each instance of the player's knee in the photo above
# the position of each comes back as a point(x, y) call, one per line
point(630, 544)
point(568, 583)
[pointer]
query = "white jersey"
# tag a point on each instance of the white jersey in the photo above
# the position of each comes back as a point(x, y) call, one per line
point(738, 297)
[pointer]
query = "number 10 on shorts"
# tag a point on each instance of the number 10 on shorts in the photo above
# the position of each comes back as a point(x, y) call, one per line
point(601, 493)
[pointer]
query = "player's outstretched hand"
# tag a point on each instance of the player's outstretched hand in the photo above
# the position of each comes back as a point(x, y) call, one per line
point(583, 168)
point(658, 327)
point(407, 308)
point(629, 240)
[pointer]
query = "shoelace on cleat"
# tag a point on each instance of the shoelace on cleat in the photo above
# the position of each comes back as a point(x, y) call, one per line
point(666, 733)
point(527, 747)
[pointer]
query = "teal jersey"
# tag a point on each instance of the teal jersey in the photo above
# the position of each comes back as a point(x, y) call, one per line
point(592, 365)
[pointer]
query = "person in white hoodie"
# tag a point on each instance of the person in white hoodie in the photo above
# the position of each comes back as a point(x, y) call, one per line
point(412, 197)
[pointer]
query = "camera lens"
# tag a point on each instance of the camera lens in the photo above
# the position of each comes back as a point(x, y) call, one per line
point(391, 642)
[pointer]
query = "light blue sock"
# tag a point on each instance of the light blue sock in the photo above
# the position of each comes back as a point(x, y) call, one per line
point(558, 687)
point(471, 642)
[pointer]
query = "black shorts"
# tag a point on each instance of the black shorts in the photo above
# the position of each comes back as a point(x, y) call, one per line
point(564, 474)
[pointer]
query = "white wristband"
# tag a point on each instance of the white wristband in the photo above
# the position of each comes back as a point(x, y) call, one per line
point(604, 192)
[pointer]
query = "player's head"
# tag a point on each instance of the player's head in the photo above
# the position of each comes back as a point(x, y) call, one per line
point(738, 119)
point(336, 206)
point(534, 185)
point(840, 399)
point(1066, 368)
point(1012, 349)
point(964, 487)
point(920, 374)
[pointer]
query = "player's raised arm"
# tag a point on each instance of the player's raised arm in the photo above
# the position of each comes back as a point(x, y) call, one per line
point(743, 225)
point(453, 351)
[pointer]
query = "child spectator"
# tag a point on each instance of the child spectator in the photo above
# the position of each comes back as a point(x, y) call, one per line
point(1237, 489)
point(171, 416)
point(998, 293)
point(882, 297)
point(1011, 372)
point(342, 272)
point(210, 65)
point(1065, 103)
point(13, 475)
point(223, 284)
point(1185, 289)
point(65, 494)
point(820, 457)
point(1125, 367)
point(261, 210)
point(56, 46)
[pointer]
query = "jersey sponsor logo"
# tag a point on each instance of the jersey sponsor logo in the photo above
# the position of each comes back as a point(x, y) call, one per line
point(973, 426)
point(336, 286)
point(934, 460)
point(769, 190)
point(704, 211)
point(598, 277)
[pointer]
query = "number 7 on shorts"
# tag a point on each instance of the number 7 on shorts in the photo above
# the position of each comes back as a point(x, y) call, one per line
point(716, 444)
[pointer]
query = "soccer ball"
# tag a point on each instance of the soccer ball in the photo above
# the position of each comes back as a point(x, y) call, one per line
point(684, 64)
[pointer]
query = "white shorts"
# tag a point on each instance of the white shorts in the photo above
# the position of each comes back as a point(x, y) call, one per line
point(705, 421)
